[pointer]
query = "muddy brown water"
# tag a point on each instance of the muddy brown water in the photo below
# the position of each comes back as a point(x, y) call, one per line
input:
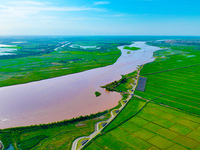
point(68, 96)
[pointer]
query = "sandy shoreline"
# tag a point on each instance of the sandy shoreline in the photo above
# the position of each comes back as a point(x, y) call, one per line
point(68, 96)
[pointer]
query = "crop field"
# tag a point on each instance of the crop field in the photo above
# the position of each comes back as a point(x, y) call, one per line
point(170, 117)
point(175, 80)
point(154, 127)
point(129, 110)
point(40, 58)
point(177, 88)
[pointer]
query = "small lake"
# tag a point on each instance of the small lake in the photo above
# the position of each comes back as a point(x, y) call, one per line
point(10, 147)
point(68, 96)
point(7, 51)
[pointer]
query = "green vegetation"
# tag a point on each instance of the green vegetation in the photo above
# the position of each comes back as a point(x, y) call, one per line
point(129, 111)
point(43, 58)
point(14, 47)
point(97, 94)
point(170, 119)
point(173, 79)
point(132, 48)
point(58, 135)
point(79, 142)
point(153, 127)
point(122, 85)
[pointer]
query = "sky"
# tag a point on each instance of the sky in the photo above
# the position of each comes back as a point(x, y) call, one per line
point(91, 17)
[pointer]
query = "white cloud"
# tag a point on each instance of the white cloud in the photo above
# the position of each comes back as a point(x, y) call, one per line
point(67, 9)
point(27, 3)
point(25, 10)
point(101, 2)
point(114, 15)
point(26, 16)
point(2, 7)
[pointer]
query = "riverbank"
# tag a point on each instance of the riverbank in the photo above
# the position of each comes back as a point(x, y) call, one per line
point(43, 58)
point(69, 96)
point(80, 142)
point(47, 134)
point(169, 105)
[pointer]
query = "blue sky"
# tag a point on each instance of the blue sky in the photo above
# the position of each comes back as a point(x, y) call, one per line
point(91, 17)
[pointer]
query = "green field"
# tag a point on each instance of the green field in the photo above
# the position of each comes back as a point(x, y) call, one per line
point(123, 85)
point(51, 136)
point(132, 107)
point(170, 117)
point(40, 58)
point(59, 135)
point(154, 127)
point(173, 79)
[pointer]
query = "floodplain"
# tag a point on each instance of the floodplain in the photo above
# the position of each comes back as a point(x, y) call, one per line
point(170, 116)
point(164, 116)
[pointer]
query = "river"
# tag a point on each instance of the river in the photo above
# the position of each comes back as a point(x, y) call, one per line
point(68, 96)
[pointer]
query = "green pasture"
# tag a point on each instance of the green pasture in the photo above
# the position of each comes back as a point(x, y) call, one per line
point(132, 107)
point(174, 83)
point(170, 119)
point(50, 136)
point(153, 127)
point(66, 60)
point(173, 58)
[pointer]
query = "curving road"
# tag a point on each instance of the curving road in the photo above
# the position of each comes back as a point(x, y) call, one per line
point(148, 54)
point(1, 146)
point(97, 125)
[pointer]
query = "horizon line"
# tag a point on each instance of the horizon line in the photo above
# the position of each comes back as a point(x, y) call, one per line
point(108, 35)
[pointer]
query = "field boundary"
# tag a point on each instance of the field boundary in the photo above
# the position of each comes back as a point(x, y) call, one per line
point(169, 70)
point(173, 108)
point(127, 119)
point(113, 116)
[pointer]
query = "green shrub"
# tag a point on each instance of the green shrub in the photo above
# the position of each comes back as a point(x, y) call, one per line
point(97, 94)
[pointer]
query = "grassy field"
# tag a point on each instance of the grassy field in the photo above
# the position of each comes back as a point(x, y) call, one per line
point(40, 58)
point(154, 127)
point(58, 135)
point(50, 136)
point(122, 85)
point(132, 107)
point(170, 118)
point(173, 79)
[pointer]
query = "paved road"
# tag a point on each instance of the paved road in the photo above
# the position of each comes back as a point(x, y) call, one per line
point(1, 145)
point(97, 125)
